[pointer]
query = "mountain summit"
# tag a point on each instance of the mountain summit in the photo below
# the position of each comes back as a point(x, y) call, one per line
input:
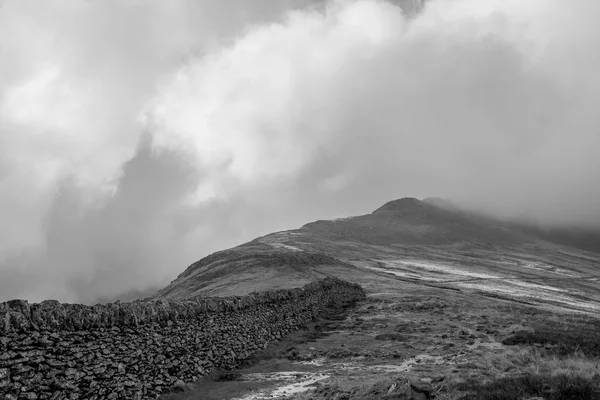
point(401, 205)
point(411, 221)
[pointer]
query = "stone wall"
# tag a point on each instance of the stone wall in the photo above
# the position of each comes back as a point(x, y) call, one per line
point(139, 350)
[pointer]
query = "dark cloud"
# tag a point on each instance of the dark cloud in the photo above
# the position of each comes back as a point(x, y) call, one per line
point(128, 242)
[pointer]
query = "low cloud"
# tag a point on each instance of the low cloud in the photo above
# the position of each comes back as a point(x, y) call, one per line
point(130, 152)
point(487, 102)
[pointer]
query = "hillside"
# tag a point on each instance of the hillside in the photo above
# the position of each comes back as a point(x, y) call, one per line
point(459, 306)
point(429, 241)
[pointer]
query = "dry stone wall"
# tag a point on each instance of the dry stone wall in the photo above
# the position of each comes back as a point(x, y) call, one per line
point(139, 350)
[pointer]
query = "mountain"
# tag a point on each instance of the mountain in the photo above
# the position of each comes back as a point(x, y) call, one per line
point(430, 242)
point(456, 302)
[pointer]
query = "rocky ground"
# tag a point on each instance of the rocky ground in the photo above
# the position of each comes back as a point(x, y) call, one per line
point(406, 341)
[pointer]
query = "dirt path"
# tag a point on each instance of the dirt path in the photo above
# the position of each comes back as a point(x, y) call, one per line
point(270, 370)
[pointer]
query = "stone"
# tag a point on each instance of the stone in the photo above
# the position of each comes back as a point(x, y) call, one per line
point(179, 386)
point(20, 306)
point(391, 388)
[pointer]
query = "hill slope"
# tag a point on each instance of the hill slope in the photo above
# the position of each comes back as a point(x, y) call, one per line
point(457, 303)
point(407, 240)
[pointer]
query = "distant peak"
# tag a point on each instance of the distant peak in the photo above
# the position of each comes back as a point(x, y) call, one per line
point(404, 204)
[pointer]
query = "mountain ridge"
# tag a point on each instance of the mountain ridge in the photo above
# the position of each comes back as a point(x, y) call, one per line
point(405, 237)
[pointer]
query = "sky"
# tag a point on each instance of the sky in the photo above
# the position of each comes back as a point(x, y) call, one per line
point(138, 136)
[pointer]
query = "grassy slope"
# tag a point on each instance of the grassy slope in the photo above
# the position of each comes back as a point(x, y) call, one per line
point(405, 240)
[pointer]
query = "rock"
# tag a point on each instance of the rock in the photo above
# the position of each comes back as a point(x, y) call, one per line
point(179, 386)
point(391, 389)
point(422, 388)
point(19, 306)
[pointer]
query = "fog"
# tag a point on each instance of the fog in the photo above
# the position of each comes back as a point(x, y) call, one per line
point(137, 137)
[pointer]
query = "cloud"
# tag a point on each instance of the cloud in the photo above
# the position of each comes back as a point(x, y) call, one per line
point(73, 79)
point(139, 136)
point(481, 101)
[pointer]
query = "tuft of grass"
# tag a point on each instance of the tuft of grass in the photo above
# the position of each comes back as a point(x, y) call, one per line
point(533, 361)
point(561, 342)
point(226, 376)
point(549, 387)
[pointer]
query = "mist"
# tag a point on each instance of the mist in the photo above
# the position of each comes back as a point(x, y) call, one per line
point(137, 137)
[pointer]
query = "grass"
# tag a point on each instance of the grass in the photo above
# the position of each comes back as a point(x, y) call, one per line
point(530, 372)
point(534, 361)
point(549, 387)
point(224, 376)
point(560, 360)
point(561, 341)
